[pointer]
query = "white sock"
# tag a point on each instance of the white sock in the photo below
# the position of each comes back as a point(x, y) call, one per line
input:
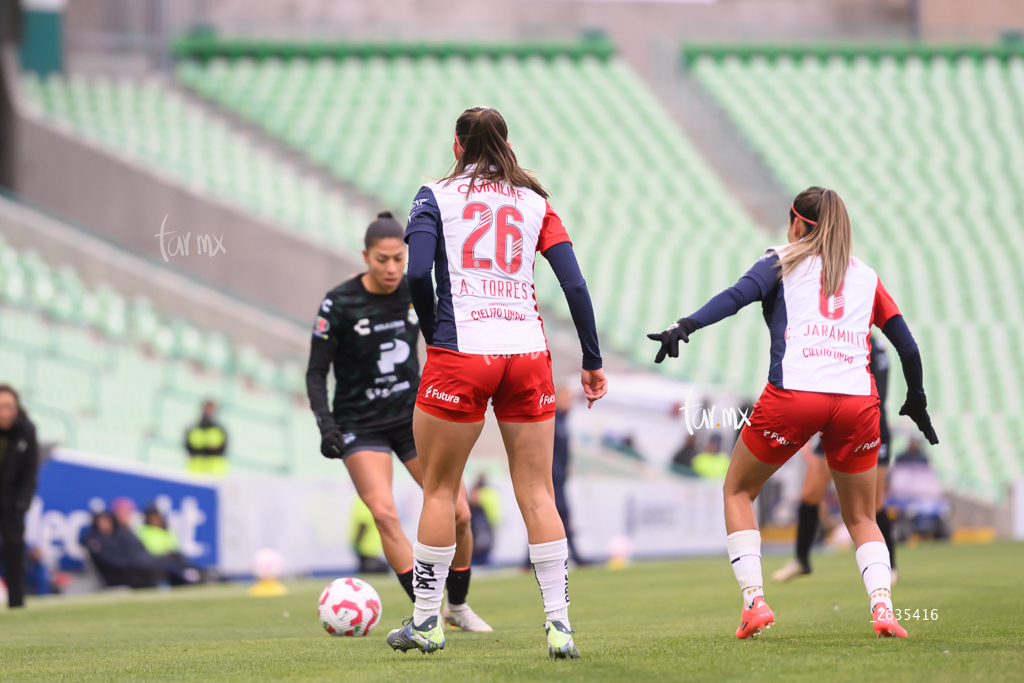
point(745, 554)
point(873, 562)
point(551, 567)
point(429, 572)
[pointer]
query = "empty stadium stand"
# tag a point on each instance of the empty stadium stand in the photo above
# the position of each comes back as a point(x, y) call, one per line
point(656, 231)
point(105, 371)
point(151, 123)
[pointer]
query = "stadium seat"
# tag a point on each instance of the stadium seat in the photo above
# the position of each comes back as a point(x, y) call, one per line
point(629, 186)
point(99, 374)
point(155, 125)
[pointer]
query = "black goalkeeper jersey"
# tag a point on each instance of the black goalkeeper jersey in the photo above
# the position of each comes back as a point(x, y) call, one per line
point(371, 340)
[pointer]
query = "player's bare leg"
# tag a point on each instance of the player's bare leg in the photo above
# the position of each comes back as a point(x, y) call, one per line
point(857, 504)
point(743, 481)
point(372, 474)
point(530, 448)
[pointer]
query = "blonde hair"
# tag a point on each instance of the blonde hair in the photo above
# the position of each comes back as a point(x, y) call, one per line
point(828, 235)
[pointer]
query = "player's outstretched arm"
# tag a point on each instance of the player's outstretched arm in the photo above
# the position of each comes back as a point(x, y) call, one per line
point(753, 286)
point(567, 269)
point(916, 406)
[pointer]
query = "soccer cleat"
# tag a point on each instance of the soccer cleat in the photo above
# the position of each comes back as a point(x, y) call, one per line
point(560, 645)
point(793, 569)
point(755, 619)
point(428, 637)
point(885, 623)
point(465, 618)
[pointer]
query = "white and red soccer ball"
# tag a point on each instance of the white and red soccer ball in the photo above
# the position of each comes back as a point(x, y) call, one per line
point(349, 607)
point(267, 565)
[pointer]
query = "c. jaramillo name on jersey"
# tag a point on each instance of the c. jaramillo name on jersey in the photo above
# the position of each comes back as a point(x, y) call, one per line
point(835, 333)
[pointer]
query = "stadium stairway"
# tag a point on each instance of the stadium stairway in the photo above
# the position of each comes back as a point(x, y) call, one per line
point(926, 146)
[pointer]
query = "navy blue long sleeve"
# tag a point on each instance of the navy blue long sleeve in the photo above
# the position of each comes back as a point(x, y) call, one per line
point(898, 334)
point(755, 285)
point(422, 246)
point(563, 262)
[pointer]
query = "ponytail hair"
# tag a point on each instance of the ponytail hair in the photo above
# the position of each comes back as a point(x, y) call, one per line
point(828, 235)
point(482, 134)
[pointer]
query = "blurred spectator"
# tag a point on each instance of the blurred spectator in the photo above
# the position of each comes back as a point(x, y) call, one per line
point(119, 555)
point(560, 465)
point(485, 516)
point(623, 443)
point(19, 465)
point(366, 539)
point(712, 463)
point(913, 454)
point(37, 579)
point(206, 443)
point(162, 544)
point(682, 461)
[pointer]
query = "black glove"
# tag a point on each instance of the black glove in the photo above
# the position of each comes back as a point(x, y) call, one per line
point(916, 409)
point(680, 329)
point(332, 443)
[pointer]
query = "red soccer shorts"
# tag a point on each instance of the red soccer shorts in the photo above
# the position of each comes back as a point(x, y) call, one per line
point(456, 386)
point(784, 420)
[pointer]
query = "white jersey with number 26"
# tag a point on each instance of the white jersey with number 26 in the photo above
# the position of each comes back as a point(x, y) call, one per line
point(487, 246)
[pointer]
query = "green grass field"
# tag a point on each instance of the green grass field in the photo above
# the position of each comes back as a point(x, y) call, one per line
point(650, 621)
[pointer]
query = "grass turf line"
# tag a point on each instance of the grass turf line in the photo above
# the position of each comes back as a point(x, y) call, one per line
point(651, 621)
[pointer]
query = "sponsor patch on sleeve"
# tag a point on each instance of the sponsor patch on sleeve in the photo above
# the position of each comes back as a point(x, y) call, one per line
point(321, 327)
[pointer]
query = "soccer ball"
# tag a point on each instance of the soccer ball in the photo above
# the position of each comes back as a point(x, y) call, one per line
point(267, 565)
point(349, 607)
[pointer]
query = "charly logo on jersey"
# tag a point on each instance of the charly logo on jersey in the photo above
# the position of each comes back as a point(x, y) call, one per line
point(321, 326)
point(412, 317)
point(325, 306)
point(362, 327)
point(431, 392)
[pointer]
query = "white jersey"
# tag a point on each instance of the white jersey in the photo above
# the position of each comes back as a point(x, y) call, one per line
point(487, 246)
point(822, 343)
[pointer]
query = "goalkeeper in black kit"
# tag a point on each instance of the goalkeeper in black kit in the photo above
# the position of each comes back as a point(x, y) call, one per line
point(367, 328)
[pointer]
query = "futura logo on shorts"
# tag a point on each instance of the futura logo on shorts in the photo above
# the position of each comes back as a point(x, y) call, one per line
point(547, 400)
point(431, 392)
point(868, 446)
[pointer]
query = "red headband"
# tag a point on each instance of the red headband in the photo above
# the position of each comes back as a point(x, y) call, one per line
point(792, 207)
